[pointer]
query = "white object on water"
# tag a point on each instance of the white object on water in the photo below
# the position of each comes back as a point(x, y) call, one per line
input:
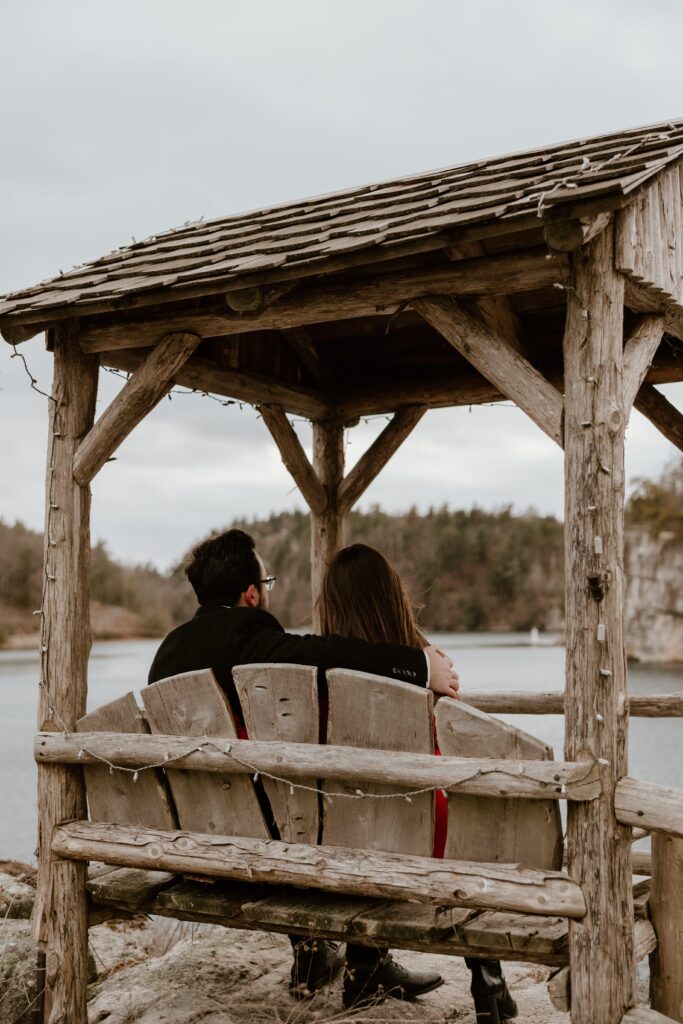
point(533, 636)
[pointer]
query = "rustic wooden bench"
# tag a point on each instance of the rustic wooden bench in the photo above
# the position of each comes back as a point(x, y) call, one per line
point(499, 892)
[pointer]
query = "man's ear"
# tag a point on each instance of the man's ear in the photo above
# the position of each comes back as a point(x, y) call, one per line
point(252, 597)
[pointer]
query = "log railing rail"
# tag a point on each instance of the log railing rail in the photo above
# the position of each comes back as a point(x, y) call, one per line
point(534, 780)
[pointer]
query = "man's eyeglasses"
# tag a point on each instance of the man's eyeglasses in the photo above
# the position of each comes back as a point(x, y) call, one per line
point(269, 582)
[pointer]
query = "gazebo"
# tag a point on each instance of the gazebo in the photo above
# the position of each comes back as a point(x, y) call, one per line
point(552, 278)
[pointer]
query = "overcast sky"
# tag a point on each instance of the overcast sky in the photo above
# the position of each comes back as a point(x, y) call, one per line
point(124, 119)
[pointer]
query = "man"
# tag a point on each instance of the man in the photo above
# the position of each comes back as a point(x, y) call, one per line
point(232, 626)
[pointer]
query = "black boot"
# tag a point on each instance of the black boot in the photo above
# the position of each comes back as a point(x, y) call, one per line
point(492, 1000)
point(367, 983)
point(316, 962)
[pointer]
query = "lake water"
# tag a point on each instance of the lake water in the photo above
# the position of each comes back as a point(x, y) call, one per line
point(484, 662)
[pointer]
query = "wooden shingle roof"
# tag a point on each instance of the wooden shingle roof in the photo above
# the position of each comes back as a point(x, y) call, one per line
point(316, 235)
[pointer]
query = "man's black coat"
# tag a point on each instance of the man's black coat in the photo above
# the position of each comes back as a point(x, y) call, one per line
point(219, 637)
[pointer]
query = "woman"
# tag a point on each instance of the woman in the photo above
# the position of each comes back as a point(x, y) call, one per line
point(363, 596)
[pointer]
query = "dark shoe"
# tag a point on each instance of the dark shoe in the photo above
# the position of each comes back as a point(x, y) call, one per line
point(492, 999)
point(364, 986)
point(316, 962)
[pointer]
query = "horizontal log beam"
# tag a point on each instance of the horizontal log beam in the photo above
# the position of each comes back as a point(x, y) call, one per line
point(378, 454)
point(204, 375)
point(332, 869)
point(150, 382)
point(294, 457)
point(641, 705)
point(485, 275)
point(533, 780)
point(497, 361)
point(661, 413)
point(649, 805)
point(462, 388)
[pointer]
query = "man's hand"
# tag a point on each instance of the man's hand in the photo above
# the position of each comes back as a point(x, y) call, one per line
point(442, 679)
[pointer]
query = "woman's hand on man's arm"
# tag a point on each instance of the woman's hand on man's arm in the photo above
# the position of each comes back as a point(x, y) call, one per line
point(442, 678)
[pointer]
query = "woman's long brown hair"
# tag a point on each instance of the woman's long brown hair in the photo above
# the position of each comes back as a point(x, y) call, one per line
point(363, 596)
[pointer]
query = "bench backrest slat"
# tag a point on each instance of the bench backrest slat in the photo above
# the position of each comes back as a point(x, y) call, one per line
point(280, 702)
point(496, 829)
point(116, 796)
point(371, 711)
point(193, 704)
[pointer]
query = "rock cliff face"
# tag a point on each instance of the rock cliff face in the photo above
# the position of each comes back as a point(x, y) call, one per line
point(654, 596)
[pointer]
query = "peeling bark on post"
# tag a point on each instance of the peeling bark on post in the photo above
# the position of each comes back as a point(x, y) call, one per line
point(60, 915)
point(327, 526)
point(596, 707)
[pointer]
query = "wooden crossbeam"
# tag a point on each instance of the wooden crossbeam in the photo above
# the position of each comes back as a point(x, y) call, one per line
point(639, 351)
point(204, 375)
point(502, 274)
point(294, 457)
point(378, 454)
point(496, 360)
point(336, 869)
point(152, 379)
point(640, 705)
point(661, 413)
point(649, 805)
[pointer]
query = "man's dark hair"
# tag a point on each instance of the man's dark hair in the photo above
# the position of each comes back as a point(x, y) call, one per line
point(223, 567)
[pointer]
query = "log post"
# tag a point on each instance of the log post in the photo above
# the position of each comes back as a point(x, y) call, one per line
point(666, 911)
point(327, 525)
point(60, 914)
point(596, 706)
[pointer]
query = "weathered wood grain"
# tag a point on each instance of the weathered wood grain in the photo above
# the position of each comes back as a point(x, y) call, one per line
point(649, 805)
point(536, 780)
point(118, 796)
point(641, 705)
point(150, 382)
point(60, 911)
point(661, 413)
point(498, 361)
point(596, 706)
point(328, 524)
point(666, 911)
point(639, 351)
point(378, 454)
point(294, 457)
point(484, 275)
point(193, 705)
point(280, 702)
point(383, 714)
point(496, 829)
point(361, 872)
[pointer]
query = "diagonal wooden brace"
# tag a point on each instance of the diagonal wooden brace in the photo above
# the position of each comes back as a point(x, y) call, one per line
point(639, 351)
point(294, 457)
point(378, 454)
point(661, 413)
point(149, 383)
point(496, 360)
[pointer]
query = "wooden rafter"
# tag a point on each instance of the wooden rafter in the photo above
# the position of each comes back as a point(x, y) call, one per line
point(378, 454)
point(294, 457)
point(661, 413)
point(299, 340)
point(485, 275)
point(639, 351)
point(496, 360)
point(152, 379)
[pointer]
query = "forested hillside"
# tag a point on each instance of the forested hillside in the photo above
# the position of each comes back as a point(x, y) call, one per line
point(467, 570)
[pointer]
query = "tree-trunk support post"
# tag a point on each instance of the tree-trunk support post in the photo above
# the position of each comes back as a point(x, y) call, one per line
point(666, 911)
point(327, 526)
point(60, 915)
point(596, 706)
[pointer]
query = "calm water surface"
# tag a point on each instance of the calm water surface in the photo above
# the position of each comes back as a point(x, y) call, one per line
point(484, 661)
